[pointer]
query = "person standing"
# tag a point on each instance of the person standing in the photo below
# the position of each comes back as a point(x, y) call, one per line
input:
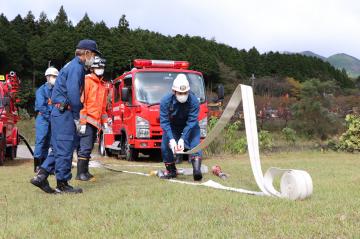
point(93, 116)
point(65, 120)
point(179, 112)
point(43, 109)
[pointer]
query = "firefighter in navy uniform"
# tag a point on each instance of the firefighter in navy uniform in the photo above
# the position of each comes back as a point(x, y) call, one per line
point(43, 109)
point(65, 120)
point(179, 113)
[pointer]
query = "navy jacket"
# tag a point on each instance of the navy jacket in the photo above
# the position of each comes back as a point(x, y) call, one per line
point(69, 84)
point(43, 96)
point(179, 116)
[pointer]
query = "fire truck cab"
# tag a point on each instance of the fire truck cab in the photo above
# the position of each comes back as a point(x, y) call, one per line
point(9, 138)
point(135, 108)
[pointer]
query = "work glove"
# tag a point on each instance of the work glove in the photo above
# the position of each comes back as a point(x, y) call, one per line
point(109, 121)
point(106, 128)
point(82, 129)
point(77, 125)
point(180, 145)
point(173, 145)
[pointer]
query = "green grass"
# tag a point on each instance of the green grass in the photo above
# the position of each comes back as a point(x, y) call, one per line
point(120, 205)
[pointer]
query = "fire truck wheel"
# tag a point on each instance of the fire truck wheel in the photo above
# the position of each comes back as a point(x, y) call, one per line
point(11, 152)
point(131, 154)
point(103, 151)
point(2, 148)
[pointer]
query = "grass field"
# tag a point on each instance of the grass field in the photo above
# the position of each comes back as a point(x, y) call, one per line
point(120, 205)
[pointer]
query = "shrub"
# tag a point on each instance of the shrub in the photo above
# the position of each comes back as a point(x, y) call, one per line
point(312, 116)
point(216, 147)
point(289, 135)
point(266, 141)
point(231, 135)
point(350, 140)
point(239, 146)
point(333, 144)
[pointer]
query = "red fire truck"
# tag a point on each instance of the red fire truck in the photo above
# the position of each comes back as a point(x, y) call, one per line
point(9, 137)
point(135, 107)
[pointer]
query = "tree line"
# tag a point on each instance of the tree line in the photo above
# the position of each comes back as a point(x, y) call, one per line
point(27, 45)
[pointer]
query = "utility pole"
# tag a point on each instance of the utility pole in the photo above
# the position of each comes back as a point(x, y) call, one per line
point(252, 78)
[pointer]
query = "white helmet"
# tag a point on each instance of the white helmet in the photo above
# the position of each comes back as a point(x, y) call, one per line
point(51, 71)
point(181, 84)
point(98, 62)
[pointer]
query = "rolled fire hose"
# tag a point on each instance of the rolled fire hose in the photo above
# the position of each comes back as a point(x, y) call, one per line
point(294, 184)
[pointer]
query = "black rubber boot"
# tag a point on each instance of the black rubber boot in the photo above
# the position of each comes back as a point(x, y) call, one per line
point(37, 164)
point(170, 171)
point(88, 174)
point(196, 163)
point(40, 181)
point(81, 170)
point(64, 187)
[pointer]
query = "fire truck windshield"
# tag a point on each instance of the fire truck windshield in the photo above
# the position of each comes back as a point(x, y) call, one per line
point(150, 87)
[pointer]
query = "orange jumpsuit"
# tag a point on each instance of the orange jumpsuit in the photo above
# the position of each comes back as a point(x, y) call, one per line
point(94, 99)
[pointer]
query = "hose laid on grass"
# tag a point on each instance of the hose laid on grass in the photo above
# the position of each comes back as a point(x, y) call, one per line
point(294, 184)
point(209, 183)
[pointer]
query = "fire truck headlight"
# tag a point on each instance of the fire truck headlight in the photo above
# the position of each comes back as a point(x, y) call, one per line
point(203, 126)
point(142, 128)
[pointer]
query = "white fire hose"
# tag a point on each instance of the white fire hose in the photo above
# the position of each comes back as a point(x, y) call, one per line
point(294, 184)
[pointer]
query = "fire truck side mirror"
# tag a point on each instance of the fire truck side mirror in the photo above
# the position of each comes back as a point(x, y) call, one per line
point(220, 92)
point(125, 94)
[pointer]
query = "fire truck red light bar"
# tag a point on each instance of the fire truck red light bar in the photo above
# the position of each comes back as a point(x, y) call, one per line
point(143, 63)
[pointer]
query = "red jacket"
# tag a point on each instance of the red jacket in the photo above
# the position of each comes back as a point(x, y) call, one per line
point(94, 99)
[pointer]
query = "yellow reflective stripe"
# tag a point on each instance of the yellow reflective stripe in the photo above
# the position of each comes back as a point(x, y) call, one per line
point(105, 116)
point(83, 116)
point(93, 122)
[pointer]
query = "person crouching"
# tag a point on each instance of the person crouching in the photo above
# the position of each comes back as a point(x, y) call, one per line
point(179, 112)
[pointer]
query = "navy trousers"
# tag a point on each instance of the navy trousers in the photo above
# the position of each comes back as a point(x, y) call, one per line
point(87, 141)
point(63, 139)
point(190, 142)
point(43, 136)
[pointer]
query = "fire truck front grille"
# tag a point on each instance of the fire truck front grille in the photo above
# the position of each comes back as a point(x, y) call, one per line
point(156, 137)
point(155, 134)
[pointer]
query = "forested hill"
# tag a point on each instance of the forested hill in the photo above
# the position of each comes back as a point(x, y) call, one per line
point(27, 44)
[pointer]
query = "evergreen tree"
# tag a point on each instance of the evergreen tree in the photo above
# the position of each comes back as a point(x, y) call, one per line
point(123, 25)
point(85, 27)
point(61, 19)
point(43, 24)
point(27, 45)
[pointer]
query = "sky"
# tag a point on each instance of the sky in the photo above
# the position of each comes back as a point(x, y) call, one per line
point(325, 27)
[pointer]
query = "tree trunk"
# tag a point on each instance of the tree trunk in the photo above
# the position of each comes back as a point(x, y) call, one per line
point(33, 81)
